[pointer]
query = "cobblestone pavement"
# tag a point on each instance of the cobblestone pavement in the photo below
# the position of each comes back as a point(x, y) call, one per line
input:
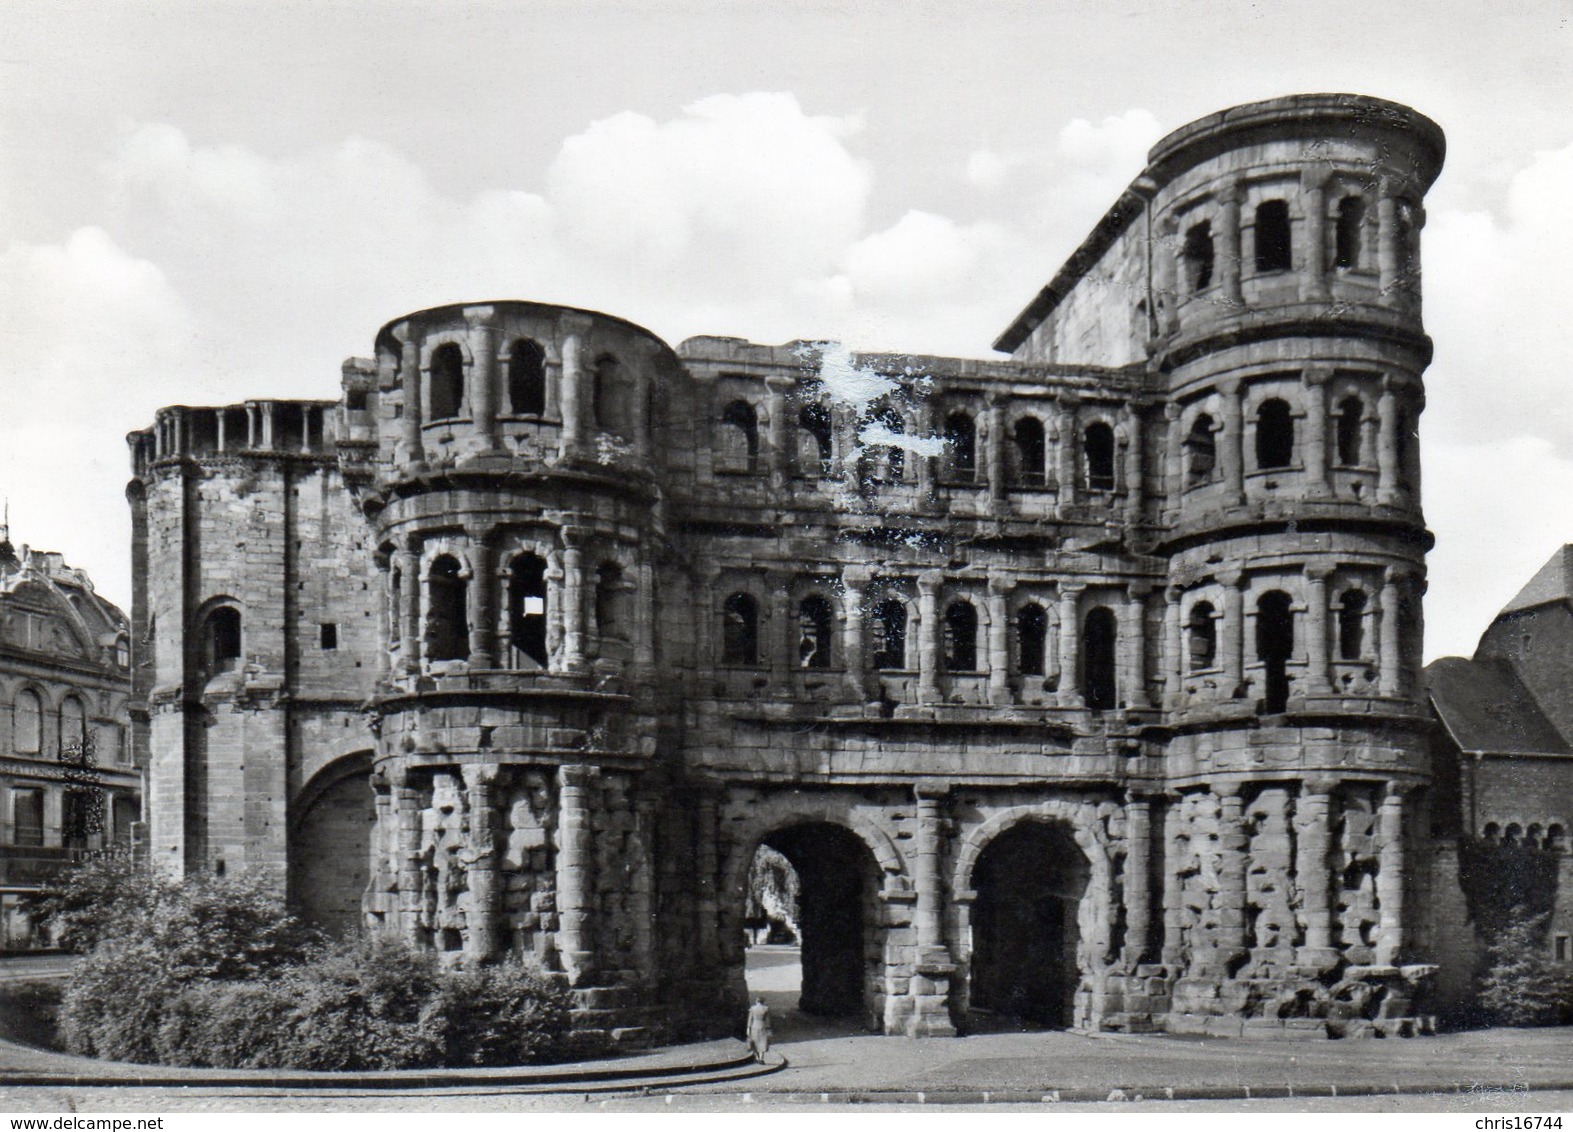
point(1527, 1071)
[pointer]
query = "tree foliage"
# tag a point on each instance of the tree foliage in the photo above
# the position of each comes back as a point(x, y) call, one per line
point(1522, 985)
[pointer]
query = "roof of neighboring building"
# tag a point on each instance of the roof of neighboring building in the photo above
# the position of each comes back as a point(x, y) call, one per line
point(1552, 582)
point(1486, 707)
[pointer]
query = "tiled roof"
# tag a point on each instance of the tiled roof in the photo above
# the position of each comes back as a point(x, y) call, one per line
point(1485, 707)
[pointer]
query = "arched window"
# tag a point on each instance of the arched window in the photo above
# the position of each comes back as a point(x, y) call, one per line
point(1554, 838)
point(447, 381)
point(611, 620)
point(815, 623)
point(527, 609)
point(814, 453)
point(1203, 633)
point(1351, 411)
point(739, 447)
point(889, 627)
point(526, 378)
point(1351, 625)
point(1491, 832)
point(888, 461)
point(1196, 256)
point(961, 446)
point(1201, 452)
point(1097, 445)
point(1272, 236)
point(29, 737)
point(1274, 647)
point(1274, 434)
point(1512, 834)
point(607, 394)
point(961, 637)
point(73, 724)
point(740, 630)
point(1350, 229)
point(1032, 638)
point(1031, 452)
point(447, 617)
point(221, 640)
point(1099, 643)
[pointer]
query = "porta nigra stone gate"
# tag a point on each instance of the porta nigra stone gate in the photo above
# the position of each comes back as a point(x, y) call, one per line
point(1080, 685)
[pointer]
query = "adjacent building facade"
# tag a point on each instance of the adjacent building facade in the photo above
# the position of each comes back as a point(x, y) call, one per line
point(68, 779)
point(1081, 685)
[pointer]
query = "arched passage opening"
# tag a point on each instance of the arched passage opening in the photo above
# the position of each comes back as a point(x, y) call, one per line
point(836, 889)
point(1025, 934)
point(330, 846)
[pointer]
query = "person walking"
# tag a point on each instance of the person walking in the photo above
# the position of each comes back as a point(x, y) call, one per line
point(759, 1030)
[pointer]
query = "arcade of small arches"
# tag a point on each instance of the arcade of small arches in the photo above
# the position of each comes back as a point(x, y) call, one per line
point(1550, 837)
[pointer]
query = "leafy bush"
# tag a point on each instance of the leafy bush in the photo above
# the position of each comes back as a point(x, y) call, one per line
point(1522, 986)
point(92, 902)
point(153, 938)
point(216, 973)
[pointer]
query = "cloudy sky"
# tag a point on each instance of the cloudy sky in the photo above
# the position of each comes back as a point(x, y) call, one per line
point(205, 202)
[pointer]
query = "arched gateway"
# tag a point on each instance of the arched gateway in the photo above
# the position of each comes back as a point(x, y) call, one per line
point(1083, 742)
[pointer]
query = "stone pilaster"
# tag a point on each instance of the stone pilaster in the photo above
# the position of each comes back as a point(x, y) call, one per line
point(1387, 445)
point(481, 864)
point(482, 610)
point(573, 603)
point(576, 872)
point(1228, 253)
point(930, 985)
point(1316, 629)
point(1138, 896)
point(1231, 442)
point(1390, 876)
point(409, 808)
point(1233, 846)
point(1316, 380)
point(1070, 646)
point(928, 636)
point(1313, 261)
point(999, 638)
point(483, 375)
point(1313, 829)
point(1390, 668)
point(1232, 632)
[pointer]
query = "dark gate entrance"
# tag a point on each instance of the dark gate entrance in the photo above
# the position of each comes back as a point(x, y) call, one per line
point(836, 875)
point(1029, 880)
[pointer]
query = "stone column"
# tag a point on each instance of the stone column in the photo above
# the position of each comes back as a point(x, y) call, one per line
point(1173, 463)
point(483, 375)
point(1313, 872)
point(929, 636)
point(930, 1015)
point(1164, 264)
point(1232, 860)
point(644, 619)
point(218, 420)
point(1132, 615)
point(481, 864)
point(573, 603)
point(410, 804)
point(1173, 648)
point(410, 379)
point(575, 433)
point(387, 617)
point(1134, 484)
point(1231, 442)
point(1316, 380)
point(253, 426)
point(1316, 629)
point(1390, 869)
point(994, 452)
point(1313, 272)
point(853, 660)
point(482, 609)
point(1065, 429)
point(1228, 254)
point(780, 429)
point(1070, 646)
point(1387, 241)
point(1232, 632)
point(268, 407)
point(1390, 671)
point(925, 468)
point(1387, 444)
point(999, 639)
point(1138, 897)
point(1173, 911)
point(409, 610)
point(576, 872)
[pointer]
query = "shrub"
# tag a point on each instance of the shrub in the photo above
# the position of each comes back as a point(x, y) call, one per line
point(504, 1015)
point(97, 900)
point(151, 940)
point(1522, 986)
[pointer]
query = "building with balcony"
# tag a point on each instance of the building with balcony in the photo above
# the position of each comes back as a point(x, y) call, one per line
point(69, 782)
point(1080, 685)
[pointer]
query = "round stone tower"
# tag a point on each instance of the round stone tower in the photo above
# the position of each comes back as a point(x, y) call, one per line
point(1286, 322)
point(516, 521)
